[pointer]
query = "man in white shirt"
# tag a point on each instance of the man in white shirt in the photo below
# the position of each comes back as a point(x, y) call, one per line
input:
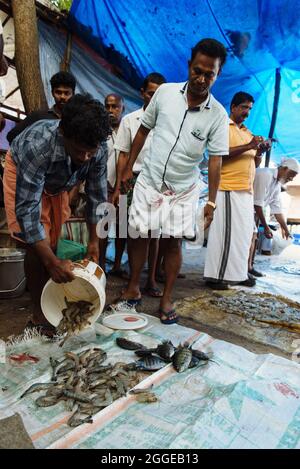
point(186, 120)
point(127, 131)
point(114, 104)
point(267, 190)
point(130, 125)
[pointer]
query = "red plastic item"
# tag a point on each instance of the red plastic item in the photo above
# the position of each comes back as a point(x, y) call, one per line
point(23, 357)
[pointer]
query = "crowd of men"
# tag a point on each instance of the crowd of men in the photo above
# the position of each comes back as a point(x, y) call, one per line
point(152, 156)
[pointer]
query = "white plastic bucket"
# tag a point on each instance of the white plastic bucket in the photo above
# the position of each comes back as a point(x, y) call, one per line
point(89, 285)
point(279, 243)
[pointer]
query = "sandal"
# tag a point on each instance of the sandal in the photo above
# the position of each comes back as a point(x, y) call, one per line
point(154, 292)
point(171, 316)
point(44, 329)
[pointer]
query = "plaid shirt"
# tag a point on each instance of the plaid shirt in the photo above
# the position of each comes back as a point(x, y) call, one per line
point(42, 164)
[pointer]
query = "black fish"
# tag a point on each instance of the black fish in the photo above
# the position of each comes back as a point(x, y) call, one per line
point(182, 358)
point(129, 344)
point(150, 363)
point(200, 355)
point(165, 350)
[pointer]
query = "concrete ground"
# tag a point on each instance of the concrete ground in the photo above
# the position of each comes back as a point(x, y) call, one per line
point(15, 313)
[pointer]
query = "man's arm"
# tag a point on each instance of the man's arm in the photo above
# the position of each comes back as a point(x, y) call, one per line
point(137, 145)
point(122, 162)
point(280, 218)
point(214, 172)
point(240, 149)
point(260, 213)
point(148, 123)
point(93, 246)
point(59, 270)
point(217, 147)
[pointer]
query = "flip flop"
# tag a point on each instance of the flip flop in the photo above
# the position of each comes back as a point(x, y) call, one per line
point(171, 316)
point(154, 292)
point(44, 329)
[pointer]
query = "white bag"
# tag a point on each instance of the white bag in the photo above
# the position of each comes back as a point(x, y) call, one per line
point(279, 243)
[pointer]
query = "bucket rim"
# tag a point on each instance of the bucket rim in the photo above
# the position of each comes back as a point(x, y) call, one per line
point(11, 253)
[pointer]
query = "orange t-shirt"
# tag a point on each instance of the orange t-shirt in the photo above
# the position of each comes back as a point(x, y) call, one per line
point(237, 174)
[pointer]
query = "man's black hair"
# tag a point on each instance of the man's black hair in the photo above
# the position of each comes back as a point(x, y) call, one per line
point(153, 77)
point(64, 79)
point(241, 97)
point(117, 96)
point(211, 48)
point(85, 120)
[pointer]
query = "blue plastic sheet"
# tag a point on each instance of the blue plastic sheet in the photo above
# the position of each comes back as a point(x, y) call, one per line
point(158, 36)
point(91, 77)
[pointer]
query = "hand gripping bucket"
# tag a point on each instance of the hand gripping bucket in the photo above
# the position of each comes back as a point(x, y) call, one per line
point(89, 285)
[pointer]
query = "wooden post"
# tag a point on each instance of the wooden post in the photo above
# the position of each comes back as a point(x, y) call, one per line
point(27, 55)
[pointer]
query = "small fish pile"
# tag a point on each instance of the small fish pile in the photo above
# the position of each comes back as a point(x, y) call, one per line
point(263, 308)
point(75, 317)
point(85, 384)
point(153, 359)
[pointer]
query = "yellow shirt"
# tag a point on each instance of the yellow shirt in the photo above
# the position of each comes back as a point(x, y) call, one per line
point(237, 174)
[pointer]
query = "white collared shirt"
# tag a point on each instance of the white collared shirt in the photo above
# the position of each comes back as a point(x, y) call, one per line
point(267, 189)
point(180, 137)
point(112, 159)
point(127, 131)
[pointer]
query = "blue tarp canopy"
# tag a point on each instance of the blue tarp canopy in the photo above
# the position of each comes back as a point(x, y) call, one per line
point(261, 36)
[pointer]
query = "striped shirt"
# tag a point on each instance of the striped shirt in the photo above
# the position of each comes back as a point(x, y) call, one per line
point(43, 165)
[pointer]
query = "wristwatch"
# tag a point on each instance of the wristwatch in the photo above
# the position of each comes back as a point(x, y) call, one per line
point(212, 204)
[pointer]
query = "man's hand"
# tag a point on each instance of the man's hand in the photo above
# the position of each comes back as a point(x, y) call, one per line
point(93, 251)
point(268, 233)
point(61, 271)
point(256, 142)
point(285, 233)
point(208, 215)
point(115, 197)
point(126, 178)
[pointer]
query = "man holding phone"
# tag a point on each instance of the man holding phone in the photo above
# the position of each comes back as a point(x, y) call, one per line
point(232, 228)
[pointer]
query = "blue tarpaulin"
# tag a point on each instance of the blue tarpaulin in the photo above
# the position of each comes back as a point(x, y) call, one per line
point(261, 37)
point(91, 77)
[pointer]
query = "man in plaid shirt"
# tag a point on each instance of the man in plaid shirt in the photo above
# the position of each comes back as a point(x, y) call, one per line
point(44, 163)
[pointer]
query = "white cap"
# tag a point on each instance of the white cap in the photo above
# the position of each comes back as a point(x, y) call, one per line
point(290, 163)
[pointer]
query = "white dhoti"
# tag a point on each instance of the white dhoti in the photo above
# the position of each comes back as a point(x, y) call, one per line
point(230, 236)
point(167, 213)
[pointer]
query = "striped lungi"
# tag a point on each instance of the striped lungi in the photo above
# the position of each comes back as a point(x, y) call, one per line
point(230, 236)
